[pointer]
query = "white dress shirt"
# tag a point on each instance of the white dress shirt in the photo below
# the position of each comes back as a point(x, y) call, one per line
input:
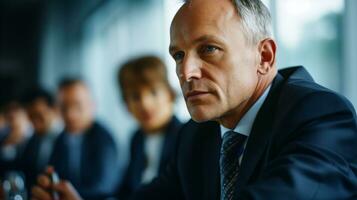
point(152, 148)
point(245, 125)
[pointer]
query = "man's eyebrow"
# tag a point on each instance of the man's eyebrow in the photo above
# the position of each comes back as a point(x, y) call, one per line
point(203, 38)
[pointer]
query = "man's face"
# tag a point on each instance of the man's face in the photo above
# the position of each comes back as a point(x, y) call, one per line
point(76, 108)
point(41, 115)
point(17, 118)
point(151, 106)
point(216, 66)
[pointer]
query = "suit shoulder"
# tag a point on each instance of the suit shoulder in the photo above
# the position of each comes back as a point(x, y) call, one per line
point(192, 126)
point(174, 126)
point(303, 102)
point(99, 129)
point(310, 95)
point(60, 138)
point(100, 134)
point(192, 129)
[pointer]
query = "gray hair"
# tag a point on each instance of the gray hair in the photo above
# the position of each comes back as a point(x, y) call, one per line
point(256, 19)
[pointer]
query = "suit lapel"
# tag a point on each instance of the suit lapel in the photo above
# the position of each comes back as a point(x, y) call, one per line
point(140, 160)
point(260, 134)
point(169, 142)
point(210, 156)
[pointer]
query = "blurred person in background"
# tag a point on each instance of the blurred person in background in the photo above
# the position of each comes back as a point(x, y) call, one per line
point(85, 152)
point(18, 132)
point(150, 99)
point(43, 113)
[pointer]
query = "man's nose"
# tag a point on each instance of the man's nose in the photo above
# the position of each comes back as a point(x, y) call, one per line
point(190, 69)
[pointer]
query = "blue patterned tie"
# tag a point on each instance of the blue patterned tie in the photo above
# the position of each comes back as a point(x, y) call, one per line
point(232, 148)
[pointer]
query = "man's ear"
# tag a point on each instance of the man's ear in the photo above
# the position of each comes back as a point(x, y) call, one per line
point(267, 51)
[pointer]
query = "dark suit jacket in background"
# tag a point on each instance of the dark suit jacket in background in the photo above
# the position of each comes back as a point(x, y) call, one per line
point(12, 164)
point(137, 164)
point(98, 166)
point(28, 162)
point(4, 165)
point(303, 146)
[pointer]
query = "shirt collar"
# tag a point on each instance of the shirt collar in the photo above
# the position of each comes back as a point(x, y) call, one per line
point(245, 125)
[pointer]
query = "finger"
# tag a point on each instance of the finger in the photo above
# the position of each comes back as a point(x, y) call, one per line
point(65, 188)
point(43, 181)
point(39, 193)
point(50, 169)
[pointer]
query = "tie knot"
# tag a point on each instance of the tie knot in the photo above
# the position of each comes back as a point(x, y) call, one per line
point(232, 137)
point(232, 140)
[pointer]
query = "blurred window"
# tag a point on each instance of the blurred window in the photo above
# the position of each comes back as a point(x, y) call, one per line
point(309, 33)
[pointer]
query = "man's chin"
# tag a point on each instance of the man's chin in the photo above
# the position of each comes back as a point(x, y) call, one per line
point(200, 116)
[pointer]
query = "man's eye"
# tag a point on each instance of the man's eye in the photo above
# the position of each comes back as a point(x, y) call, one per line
point(178, 56)
point(208, 49)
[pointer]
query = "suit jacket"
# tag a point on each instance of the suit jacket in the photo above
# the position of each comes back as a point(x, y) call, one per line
point(29, 161)
point(137, 164)
point(98, 172)
point(4, 132)
point(6, 164)
point(303, 145)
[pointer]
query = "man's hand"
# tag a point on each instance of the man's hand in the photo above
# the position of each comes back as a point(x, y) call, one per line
point(64, 188)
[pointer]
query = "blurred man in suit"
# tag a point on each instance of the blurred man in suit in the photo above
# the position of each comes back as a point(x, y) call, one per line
point(256, 133)
point(43, 113)
point(85, 153)
point(16, 133)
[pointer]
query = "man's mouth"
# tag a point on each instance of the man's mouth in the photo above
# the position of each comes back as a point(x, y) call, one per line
point(195, 94)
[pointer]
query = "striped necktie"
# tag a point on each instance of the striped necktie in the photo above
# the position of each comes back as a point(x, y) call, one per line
point(231, 150)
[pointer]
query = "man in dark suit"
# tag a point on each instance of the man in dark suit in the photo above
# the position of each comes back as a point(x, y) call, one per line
point(256, 133)
point(85, 152)
point(16, 134)
point(43, 113)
